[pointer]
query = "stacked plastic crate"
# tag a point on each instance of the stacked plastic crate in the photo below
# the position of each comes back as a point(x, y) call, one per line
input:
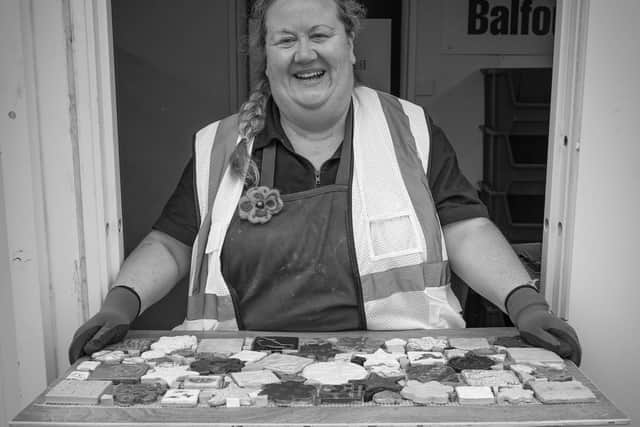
point(515, 143)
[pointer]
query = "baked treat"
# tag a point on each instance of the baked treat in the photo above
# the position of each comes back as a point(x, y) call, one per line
point(534, 356)
point(514, 341)
point(275, 343)
point(334, 373)
point(469, 343)
point(357, 344)
point(232, 391)
point(562, 392)
point(180, 398)
point(169, 376)
point(427, 344)
point(470, 361)
point(432, 392)
point(216, 366)
point(375, 383)
point(254, 378)
point(172, 344)
point(280, 363)
point(479, 377)
point(220, 347)
point(88, 365)
point(290, 394)
point(425, 358)
point(472, 395)
point(203, 382)
point(133, 347)
point(137, 394)
point(77, 392)
point(121, 373)
point(380, 357)
point(514, 395)
point(387, 398)
point(249, 356)
point(341, 394)
point(321, 352)
point(423, 373)
point(78, 375)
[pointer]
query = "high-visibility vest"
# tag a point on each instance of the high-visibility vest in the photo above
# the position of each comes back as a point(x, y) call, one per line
point(399, 245)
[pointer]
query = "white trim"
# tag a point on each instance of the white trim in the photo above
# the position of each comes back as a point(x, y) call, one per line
point(566, 114)
point(92, 70)
point(21, 194)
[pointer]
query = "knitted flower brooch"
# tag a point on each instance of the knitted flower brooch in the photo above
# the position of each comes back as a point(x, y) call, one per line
point(259, 204)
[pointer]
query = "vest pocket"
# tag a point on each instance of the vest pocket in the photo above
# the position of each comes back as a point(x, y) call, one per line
point(394, 235)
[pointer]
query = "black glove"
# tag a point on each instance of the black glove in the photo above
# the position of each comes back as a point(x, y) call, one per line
point(109, 325)
point(530, 313)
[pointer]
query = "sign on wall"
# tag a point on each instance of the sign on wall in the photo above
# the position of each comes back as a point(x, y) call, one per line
point(499, 27)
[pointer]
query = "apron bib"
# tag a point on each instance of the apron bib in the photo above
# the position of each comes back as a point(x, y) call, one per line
point(298, 271)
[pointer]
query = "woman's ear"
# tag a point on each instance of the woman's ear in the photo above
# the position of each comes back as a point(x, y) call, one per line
point(351, 41)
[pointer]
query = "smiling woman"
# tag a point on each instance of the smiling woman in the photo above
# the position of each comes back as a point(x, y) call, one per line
point(322, 206)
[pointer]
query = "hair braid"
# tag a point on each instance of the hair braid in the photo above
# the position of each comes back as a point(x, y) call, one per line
point(251, 120)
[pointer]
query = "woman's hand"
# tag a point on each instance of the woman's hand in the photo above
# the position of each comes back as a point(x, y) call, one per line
point(530, 313)
point(109, 325)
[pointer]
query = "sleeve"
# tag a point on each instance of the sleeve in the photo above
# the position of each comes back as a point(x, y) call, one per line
point(179, 218)
point(454, 196)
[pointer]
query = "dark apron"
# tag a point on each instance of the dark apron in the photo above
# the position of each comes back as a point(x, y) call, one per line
point(297, 272)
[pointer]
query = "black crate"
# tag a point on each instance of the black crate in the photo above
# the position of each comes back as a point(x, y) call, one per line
point(516, 95)
point(511, 157)
point(518, 212)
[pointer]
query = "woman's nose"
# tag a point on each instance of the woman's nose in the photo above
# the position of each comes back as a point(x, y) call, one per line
point(304, 51)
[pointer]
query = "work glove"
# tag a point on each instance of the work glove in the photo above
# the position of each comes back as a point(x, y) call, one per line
point(529, 312)
point(121, 306)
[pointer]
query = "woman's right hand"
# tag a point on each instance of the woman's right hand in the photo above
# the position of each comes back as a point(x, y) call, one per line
point(109, 325)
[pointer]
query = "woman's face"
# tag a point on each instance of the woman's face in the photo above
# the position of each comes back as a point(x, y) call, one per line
point(309, 57)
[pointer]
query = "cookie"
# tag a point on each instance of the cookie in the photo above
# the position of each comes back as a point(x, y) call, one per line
point(274, 343)
point(216, 366)
point(341, 394)
point(254, 378)
point(122, 373)
point(472, 395)
point(280, 363)
point(422, 373)
point(533, 356)
point(222, 347)
point(387, 398)
point(321, 352)
point(180, 398)
point(232, 391)
point(479, 377)
point(375, 383)
point(470, 361)
point(425, 358)
point(334, 373)
point(137, 394)
point(77, 392)
point(169, 376)
point(171, 344)
point(202, 382)
point(562, 392)
point(427, 344)
point(514, 395)
point(432, 392)
point(469, 343)
point(290, 394)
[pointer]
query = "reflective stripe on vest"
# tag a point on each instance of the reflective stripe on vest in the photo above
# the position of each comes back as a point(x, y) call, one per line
point(399, 244)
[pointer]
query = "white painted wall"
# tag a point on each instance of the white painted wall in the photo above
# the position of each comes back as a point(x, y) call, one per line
point(604, 293)
point(451, 87)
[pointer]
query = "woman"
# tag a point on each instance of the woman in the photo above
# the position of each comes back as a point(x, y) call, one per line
point(319, 207)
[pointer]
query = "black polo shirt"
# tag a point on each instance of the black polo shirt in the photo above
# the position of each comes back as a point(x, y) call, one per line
point(455, 198)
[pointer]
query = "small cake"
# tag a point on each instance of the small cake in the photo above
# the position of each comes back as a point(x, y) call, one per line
point(472, 395)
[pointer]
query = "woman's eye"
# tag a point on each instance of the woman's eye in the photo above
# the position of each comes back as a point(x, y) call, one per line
point(287, 41)
point(319, 36)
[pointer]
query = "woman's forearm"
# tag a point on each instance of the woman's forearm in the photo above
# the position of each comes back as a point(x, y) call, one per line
point(154, 267)
point(481, 256)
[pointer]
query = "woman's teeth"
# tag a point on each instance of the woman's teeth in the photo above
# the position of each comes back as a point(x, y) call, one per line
point(309, 75)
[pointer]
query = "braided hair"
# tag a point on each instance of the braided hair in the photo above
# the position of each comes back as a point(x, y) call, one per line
point(251, 118)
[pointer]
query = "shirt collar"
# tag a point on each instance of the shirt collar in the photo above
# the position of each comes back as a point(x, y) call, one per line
point(273, 131)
